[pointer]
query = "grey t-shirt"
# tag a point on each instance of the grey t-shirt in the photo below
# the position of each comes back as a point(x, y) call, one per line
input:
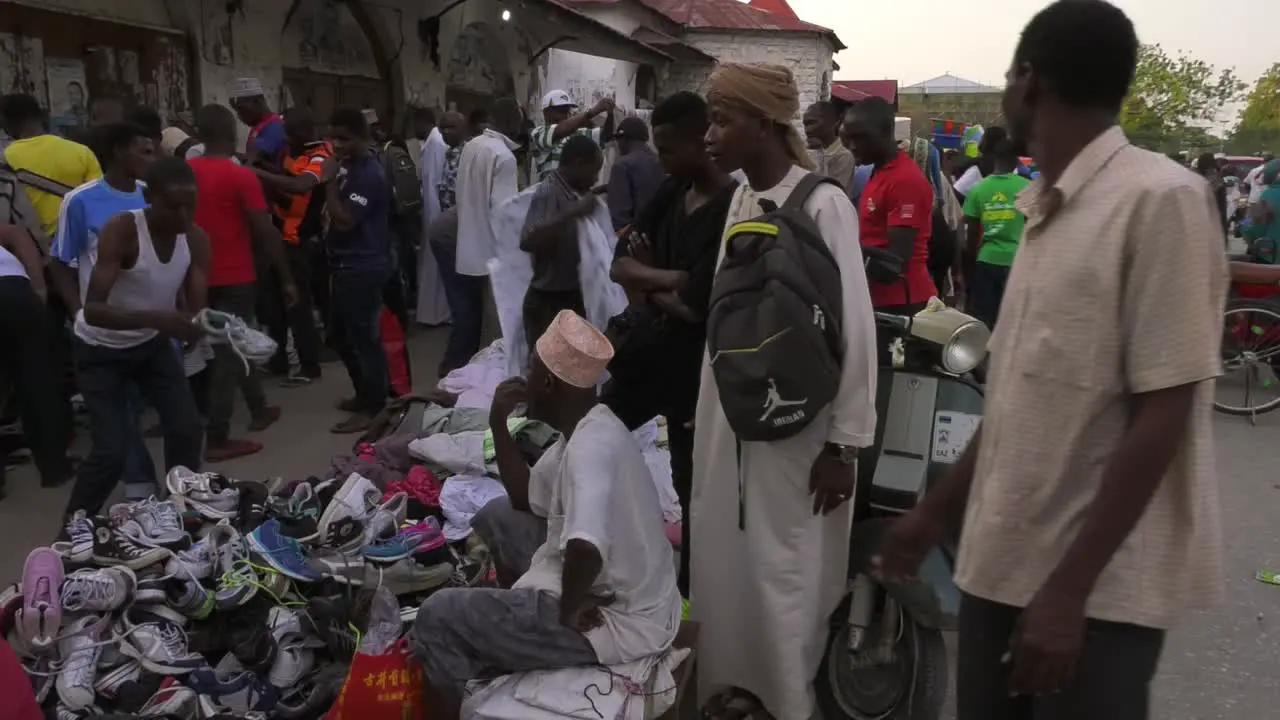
point(556, 269)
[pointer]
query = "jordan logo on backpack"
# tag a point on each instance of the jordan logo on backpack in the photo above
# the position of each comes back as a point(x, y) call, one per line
point(774, 402)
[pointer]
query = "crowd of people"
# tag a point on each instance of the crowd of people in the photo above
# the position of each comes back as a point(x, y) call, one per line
point(1088, 501)
point(130, 233)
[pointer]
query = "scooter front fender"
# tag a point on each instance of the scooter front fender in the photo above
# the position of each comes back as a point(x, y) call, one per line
point(934, 601)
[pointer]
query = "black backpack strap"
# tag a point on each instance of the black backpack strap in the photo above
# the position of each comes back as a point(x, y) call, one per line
point(805, 188)
point(42, 183)
point(185, 146)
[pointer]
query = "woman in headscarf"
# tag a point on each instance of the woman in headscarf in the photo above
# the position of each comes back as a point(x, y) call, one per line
point(1263, 230)
point(771, 520)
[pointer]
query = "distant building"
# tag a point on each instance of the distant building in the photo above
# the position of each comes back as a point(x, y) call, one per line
point(851, 91)
point(953, 98)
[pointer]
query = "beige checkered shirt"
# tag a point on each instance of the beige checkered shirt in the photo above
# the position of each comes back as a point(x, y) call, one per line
point(1117, 288)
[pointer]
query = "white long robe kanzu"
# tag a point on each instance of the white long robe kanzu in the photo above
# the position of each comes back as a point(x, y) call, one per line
point(433, 307)
point(764, 590)
point(487, 177)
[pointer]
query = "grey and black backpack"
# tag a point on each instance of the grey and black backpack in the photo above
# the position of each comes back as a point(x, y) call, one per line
point(16, 207)
point(774, 332)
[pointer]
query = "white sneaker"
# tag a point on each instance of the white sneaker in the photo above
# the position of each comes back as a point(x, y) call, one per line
point(237, 580)
point(356, 499)
point(79, 549)
point(174, 701)
point(250, 345)
point(109, 682)
point(161, 523)
point(209, 494)
point(62, 712)
point(79, 649)
point(160, 646)
point(99, 590)
point(293, 659)
point(196, 561)
point(385, 520)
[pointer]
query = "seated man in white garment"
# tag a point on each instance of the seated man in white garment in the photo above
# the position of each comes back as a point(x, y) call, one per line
point(601, 590)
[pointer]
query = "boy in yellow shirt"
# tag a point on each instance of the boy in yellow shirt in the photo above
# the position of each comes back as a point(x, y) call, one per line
point(37, 151)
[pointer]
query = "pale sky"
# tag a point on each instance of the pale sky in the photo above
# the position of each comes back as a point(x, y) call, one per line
point(914, 40)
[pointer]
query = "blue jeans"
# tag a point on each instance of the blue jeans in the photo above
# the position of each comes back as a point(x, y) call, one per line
point(108, 379)
point(355, 306)
point(465, 294)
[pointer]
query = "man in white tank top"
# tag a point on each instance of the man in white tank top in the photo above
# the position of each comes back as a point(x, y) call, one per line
point(147, 283)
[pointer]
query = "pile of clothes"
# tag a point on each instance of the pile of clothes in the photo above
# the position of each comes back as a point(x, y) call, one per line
point(231, 598)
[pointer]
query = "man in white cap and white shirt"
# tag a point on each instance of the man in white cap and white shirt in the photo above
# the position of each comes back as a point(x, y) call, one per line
point(267, 141)
point(559, 122)
point(601, 589)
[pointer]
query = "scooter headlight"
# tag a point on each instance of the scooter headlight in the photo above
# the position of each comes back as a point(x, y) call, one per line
point(966, 348)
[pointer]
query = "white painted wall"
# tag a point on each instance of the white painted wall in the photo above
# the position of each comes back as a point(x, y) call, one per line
point(808, 56)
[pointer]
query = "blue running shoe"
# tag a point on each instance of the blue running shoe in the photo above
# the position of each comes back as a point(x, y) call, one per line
point(410, 540)
point(282, 552)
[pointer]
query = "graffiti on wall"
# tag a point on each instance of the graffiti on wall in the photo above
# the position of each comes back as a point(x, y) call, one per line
point(22, 67)
point(329, 38)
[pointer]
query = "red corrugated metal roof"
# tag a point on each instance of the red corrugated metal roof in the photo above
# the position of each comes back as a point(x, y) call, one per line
point(777, 7)
point(734, 15)
point(887, 89)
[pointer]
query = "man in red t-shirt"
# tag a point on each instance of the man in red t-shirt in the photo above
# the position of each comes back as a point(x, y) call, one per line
point(230, 207)
point(895, 211)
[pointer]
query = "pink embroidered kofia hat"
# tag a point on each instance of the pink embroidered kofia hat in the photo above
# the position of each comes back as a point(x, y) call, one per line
point(574, 351)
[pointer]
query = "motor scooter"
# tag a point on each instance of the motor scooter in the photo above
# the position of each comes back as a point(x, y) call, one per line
point(885, 656)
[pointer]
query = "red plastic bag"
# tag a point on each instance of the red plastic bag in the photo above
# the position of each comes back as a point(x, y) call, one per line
point(381, 687)
point(397, 353)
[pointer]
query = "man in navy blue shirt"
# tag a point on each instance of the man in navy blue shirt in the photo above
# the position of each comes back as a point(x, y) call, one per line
point(359, 204)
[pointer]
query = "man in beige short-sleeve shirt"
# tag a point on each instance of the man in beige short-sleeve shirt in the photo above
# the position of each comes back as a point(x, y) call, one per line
point(1091, 518)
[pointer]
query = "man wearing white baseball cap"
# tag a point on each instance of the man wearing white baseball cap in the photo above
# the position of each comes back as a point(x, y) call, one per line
point(559, 122)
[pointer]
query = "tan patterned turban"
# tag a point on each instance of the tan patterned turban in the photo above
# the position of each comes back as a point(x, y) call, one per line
point(763, 89)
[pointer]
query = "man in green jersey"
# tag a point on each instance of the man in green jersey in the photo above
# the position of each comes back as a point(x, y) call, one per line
point(995, 226)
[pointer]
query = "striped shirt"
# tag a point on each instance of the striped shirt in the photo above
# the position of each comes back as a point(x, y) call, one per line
point(546, 152)
point(1117, 289)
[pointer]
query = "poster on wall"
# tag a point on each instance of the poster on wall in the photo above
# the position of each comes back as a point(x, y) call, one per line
point(22, 67)
point(68, 98)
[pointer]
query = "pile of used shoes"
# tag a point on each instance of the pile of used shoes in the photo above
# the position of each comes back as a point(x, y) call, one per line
point(228, 599)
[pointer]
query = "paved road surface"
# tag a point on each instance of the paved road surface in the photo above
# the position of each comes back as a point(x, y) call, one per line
point(1221, 665)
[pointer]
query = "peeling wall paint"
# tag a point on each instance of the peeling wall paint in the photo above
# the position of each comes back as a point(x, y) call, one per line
point(22, 66)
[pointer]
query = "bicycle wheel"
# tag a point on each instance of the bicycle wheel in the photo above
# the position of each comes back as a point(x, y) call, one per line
point(1250, 358)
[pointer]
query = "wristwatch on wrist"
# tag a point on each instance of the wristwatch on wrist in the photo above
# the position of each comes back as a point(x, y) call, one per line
point(846, 454)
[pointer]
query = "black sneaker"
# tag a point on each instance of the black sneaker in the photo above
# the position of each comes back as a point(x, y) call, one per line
point(253, 505)
point(330, 619)
point(314, 694)
point(345, 534)
point(112, 546)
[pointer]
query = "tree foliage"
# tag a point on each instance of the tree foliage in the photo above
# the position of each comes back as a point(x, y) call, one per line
point(1259, 128)
point(1172, 97)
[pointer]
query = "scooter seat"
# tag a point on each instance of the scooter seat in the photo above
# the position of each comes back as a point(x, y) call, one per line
point(1255, 274)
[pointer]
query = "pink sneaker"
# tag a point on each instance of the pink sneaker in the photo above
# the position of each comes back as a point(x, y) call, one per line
point(40, 616)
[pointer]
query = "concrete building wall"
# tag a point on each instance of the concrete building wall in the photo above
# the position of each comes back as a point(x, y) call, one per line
point(322, 43)
point(808, 56)
point(981, 108)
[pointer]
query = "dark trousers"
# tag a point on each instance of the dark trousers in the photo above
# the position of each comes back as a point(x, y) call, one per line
point(1113, 674)
point(27, 367)
point(987, 291)
point(321, 284)
point(542, 306)
point(106, 377)
point(228, 368)
point(465, 294)
point(405, 233)
point(636, 405)
point(355, 307)
point(300, 319)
